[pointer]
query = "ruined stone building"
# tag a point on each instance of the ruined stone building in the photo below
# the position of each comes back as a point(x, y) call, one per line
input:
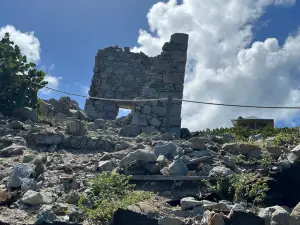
point(121, 74)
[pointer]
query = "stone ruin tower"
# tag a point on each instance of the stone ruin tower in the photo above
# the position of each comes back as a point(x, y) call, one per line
point(121, 74)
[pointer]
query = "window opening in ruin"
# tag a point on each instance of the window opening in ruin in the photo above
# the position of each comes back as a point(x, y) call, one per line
point(123, 112)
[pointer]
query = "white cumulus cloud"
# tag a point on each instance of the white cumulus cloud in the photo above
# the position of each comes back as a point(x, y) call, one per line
point(28, 43)
point(226, 66)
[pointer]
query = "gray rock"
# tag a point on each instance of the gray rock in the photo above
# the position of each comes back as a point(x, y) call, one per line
point(77, 127)
point(275, 215)
point(238, 207)
point(46, 216)
point(140, 155)
point(12, 150)
point(130, 130)
point(99, 123)
point(28, 184)
point(170, 221)
point(244, 149)
point(199, 143)
point(161, 160)
point(20, 171)
point(72, 197)
point(107, 165)
point(198, 154)
point(189, 203)
point(167, 149)
point(212, 218)
point(296, 150)
point(26, 113)
point(49, 139)
point(32, 198)
point(255, 137)
point(276, 151)
point(28, 158)
point(91, 126)
point(295, 215)
point(220, 171)
point(16, 125)
point(177, 167)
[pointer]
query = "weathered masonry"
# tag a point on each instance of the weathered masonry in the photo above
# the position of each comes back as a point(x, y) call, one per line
point(121, 74)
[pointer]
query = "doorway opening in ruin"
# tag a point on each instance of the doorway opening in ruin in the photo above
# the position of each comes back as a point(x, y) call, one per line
point(123, 112)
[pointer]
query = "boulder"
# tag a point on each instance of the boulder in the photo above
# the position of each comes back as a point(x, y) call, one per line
point(77, 127)
point(32, 198)
point(126, 216)
point(20, 171)
point(16, 125)
point(45, 217)
point(170, 221)
point(275, 215)
point(167, 149)
point(198, 143)
point(245, 218)
point(295, 215)
point(131, 130)
point(189, 203)
point(220, 171)
point(212, 218)
point(140, 155)
point(276, 151)
point(250, 150)
point(178, 168)
point(12, 150)
point(26, 113)
point(99, 123)
point(107, 165)
point(28, 184)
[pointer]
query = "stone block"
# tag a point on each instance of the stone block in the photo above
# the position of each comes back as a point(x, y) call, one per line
point(180, 38)
point(146, 109)
point(155, 122)
point(139, 120)
point(173, 78)
point(159, 110)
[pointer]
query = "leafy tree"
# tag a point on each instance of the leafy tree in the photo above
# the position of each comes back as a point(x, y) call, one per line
point(17, 78)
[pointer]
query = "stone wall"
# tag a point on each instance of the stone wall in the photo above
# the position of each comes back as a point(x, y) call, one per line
point(121, 74)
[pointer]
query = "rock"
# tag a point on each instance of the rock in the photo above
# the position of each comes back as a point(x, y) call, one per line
point(82, 115)
point(28, 158)
point(256, 137)
point(161, 160)
point(32, 198)
point(170, 221)
point(49, 138)
point(167, 149)
point(47, 197)
point(91, 126)
point(212, 218)
point(39, 166)
point(178, 168)
point(125, 216)
point(275, 215)
point(198, 143)
point(26, 113)
point(220, 171)
point(229, 161)
point(99, 123)
point(245, 218)
point(16, 125)
point(46, 217)
point(12, 150)
point(140, 155)
point(28, 184)
point(77, 127)
point(131, 130)
point(72, 197)
point(295, 215)
point(105, 165)
point(20, 171)
point(189, 203)
point(276, 151)
point(244, 149)
point(238, 207)
point(198, 154)
point(296, 150)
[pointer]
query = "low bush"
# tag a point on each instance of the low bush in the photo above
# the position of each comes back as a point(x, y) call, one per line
point(109, 192)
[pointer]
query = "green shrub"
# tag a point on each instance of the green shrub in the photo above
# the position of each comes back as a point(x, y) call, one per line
point(240, 187)
point(16, 78)
point(109, 192)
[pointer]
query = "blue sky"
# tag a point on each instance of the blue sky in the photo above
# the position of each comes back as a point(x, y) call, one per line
point(71, 32)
